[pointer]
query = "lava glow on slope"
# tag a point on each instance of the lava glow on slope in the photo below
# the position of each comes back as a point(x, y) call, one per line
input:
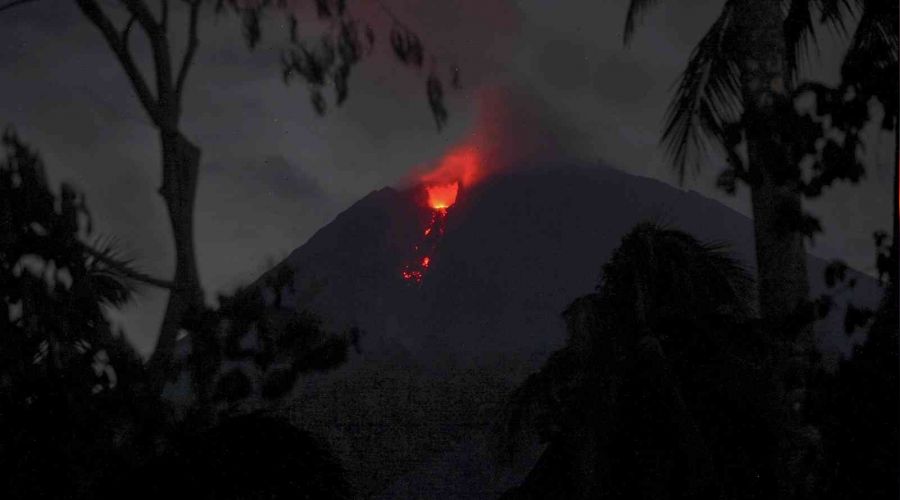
point(460, 167)
point(431, 236)
point(442, 196)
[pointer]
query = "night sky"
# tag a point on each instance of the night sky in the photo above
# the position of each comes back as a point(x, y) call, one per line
point(273, 172)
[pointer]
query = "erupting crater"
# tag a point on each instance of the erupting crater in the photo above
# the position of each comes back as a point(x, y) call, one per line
point(440, 198)
point(459, 168)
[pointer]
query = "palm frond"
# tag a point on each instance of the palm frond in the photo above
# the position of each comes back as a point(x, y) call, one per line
point(799, 31)
point(738, 285)
point(871, 62)
point(876, 33)
point(110, 273)
point(708, 95)
point(834, 13)
point(800, 28)
point(108, 249)
point(636, 10)
point(105, 256)
point(677, 272)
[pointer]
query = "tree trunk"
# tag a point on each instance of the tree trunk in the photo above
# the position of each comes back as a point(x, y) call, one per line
point(781, 258)
point(181, 162)
point(895, 222)
point(783, 283)
point(780, 253)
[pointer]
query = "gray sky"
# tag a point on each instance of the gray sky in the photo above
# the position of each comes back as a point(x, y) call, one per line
point(273, 172)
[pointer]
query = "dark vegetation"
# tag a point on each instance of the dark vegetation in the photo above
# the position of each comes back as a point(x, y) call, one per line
point(78, 411)
point(740, 94)
point(251, 456)
point(682, 377)
point(663, 389)
point(77, 400)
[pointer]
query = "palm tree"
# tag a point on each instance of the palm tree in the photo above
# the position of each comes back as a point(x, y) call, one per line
point(660, 388)
point(738, 88)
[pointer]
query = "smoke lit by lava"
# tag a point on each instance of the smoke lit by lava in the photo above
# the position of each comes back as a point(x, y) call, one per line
point(508, 131)
point(460, 167)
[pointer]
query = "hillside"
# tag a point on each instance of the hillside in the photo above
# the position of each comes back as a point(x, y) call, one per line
point(438, 357)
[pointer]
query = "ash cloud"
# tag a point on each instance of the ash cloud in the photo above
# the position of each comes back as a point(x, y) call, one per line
point(513, 128)
point(518, 128)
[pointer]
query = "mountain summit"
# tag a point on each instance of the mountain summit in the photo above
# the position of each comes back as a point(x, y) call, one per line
point(438, 355)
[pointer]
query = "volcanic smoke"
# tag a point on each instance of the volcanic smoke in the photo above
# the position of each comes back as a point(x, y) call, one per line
point(460, 166)
point(509, 130)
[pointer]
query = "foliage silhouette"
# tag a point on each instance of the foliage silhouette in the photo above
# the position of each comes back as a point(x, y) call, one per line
point(861, 423)
point(320, 62)
point(69, 385)
point(739, 92)
point(860, 401)
point(77, 412)
point(662, 390)
point(259, 347)
point(247, 457)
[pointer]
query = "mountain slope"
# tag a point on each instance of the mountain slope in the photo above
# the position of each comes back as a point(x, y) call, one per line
point(437, 358)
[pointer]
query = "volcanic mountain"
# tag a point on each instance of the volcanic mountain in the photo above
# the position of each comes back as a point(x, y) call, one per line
point(409, 415)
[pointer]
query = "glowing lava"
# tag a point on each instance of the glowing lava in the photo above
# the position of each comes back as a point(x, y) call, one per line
point(431, 236)
point(442, 196)
point(459, 168)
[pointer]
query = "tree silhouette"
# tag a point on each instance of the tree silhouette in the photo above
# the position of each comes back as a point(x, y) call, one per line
point(326, 62)
point(661, 390)
point(862, 434)
point(839, 113)
point(257, 348)
point(77, 411)
point(251, 456)
point(70, 386)
point(739, 93)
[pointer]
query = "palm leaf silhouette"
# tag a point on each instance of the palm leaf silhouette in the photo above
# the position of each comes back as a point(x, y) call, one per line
point(680, 278)
point(708, 95)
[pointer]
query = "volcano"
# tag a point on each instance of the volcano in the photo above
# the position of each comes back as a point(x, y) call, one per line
point(409, 415)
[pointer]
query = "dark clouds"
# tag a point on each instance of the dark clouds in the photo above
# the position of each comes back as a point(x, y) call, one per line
point(273, 172)
point(565, 65)
point(623, 79)
point(273, 175)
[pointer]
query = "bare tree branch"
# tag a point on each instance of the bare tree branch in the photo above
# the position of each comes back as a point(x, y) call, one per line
point(95, 14)
point(144, 15)
point(162, 65)
point(189, 52)
point(127, 31)
point(14, 3)
point(164, 17)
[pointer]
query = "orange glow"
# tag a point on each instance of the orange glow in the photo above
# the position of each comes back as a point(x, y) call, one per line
point(442, 196)
point(461, 165)
point(434, 231)
point(414, 276)
point(459, 168)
